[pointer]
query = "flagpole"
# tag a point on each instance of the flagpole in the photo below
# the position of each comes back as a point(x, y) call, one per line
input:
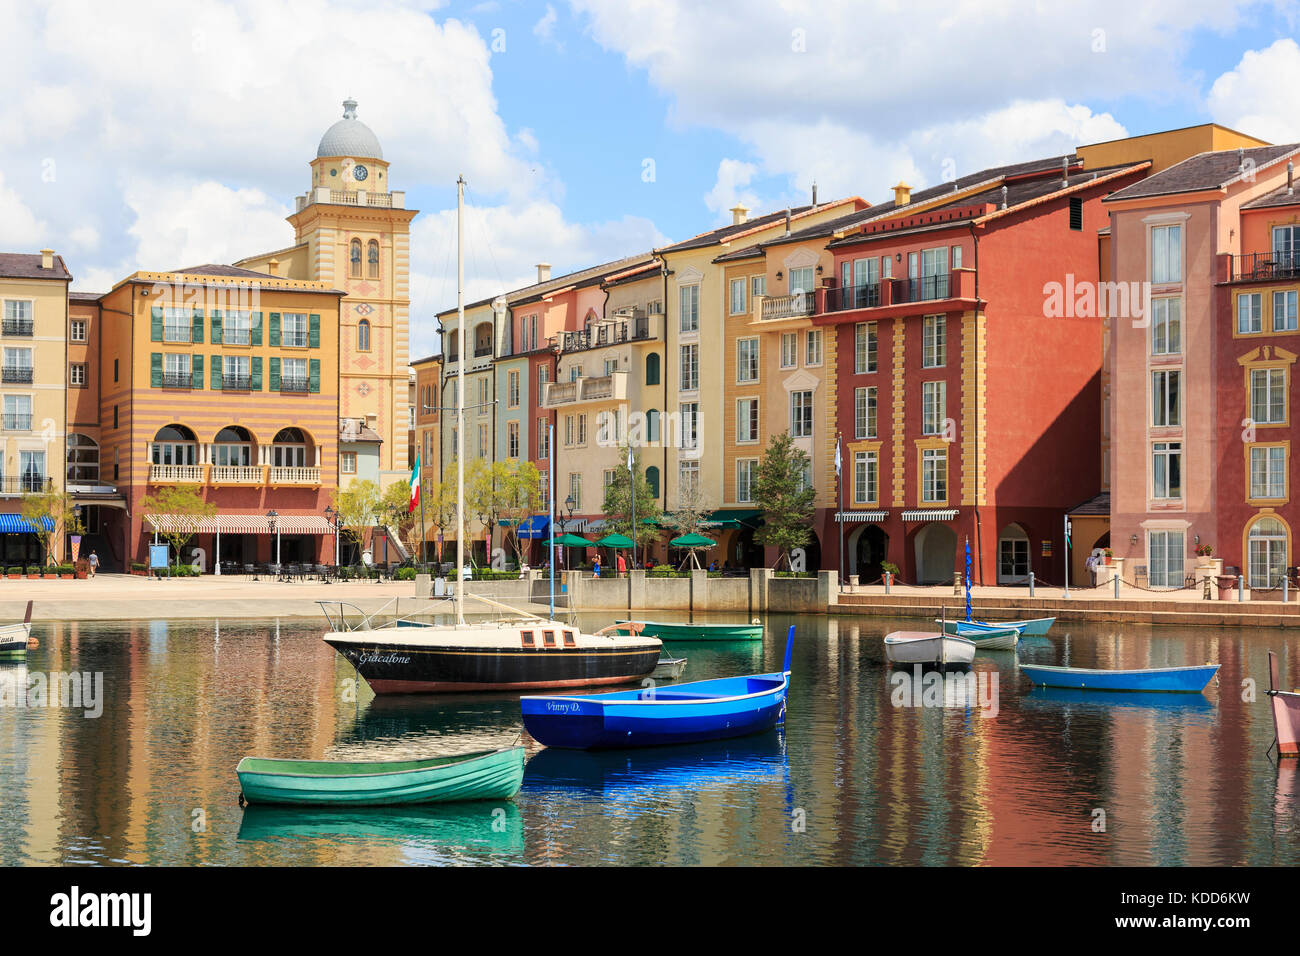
point(550, 481)
point(462, 356)
point(419, 478)
point(631, 475)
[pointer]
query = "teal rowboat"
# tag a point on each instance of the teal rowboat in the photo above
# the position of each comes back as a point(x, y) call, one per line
point(682, 631)
point(484, 775)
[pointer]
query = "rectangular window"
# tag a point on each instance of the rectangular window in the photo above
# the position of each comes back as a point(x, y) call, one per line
point(690, 416)
point(176, 371)
point(865, 477)
point(512, 390)
point(582, 429)
point(956, 257)
point(1250, 312)
point(18, 413)
point(1166, 326)
point(934, 353)
point(864, 412)
point(814, 349)
point(1167, 254)
point(1284, 311)
point(512, 439)
point(801, 414)
point(235, 372)
point(934, 273)
point(293, 375)
point(746, 469)
point(1167, 470)
point(934, 407)
point(801, 280)
point(689, 297)
point(747, 360)
point(758, 285)
point(738, 296)
point(178, 325)
point(293, 329)
point(77, 375)
point(688, 478)
point(1268, 472)
point(1165, 559)
point(348, 462)
point(543, 438)
point(1268, 396)
point(934, 475)
point(568, 430)
point(78, 332)
point(1165, 398)
point(789, 349)
point(747, 420)
point(690, 376)
point(575, 491)
point(236, 329)
point(543, 379)
point(482, 441)
point(864, 348)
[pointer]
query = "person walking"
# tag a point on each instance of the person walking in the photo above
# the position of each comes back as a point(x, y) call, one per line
point(595, 565)
point(622, 566)
point(1091, 565)
point(93, 561)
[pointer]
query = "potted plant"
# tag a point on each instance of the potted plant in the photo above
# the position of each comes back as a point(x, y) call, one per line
point(34, 571)
point(1110, 555)
point(1205, 550)
point(888, 567)
point(83, 569)
point(15, 572)
point(67, 571)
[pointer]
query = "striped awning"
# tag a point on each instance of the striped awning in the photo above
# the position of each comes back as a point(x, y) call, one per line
point(247, 524)
point(854, 517)
point(17, 524)
point(930, 514)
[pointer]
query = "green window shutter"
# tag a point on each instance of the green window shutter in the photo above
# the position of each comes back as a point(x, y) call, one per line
point(155, 370)
point(216, 327)
point(196, 371)
point(197, 337)
point(313, 331)
point(275, 330)
point(275, 374)
point(255, 321)
point(256, 383)
point(314, 375)
point(155, 323)
point(215, 377)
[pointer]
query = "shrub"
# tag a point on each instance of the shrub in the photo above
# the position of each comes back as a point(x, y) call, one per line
point(404, 574)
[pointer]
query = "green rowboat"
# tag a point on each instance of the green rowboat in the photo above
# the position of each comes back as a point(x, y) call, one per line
point(682, 631)
point(484, 775)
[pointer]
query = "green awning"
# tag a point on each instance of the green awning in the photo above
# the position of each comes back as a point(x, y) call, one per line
point(692, 541)
point(733, 518)
point(614, 541)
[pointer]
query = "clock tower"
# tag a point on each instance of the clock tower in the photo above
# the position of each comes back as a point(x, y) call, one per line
point(352, 230)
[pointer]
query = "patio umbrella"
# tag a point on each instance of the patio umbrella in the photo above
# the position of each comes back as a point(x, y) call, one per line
point(692, 541)
point(569, 541)
point(614, 541)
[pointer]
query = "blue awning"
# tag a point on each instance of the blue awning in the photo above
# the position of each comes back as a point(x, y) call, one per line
point(17, 524)
point(538, 526)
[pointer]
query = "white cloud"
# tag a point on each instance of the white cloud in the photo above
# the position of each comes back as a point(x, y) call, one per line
point(182, 224)
point(544, 29)
point(731, 187)
point(20, 230)
point(1261, 95)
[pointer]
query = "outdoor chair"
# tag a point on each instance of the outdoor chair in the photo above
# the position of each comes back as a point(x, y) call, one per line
point(1139, 574)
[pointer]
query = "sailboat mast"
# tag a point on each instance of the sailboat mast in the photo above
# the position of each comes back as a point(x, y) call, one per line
point(461, 354)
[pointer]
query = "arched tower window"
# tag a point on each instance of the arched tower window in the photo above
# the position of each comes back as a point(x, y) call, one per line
point(363, 335)
point(355, 256)
point(652, 368)
point(372, 258)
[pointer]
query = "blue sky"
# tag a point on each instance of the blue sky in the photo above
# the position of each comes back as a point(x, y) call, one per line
point(193, 148)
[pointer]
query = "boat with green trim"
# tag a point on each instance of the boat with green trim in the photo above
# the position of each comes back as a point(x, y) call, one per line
point(685, 631)
point(483, 775)
point(16, 639)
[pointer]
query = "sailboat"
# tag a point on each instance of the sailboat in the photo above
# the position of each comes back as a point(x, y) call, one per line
point(515, 653)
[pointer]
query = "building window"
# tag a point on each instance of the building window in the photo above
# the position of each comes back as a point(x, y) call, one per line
point(178, 325)
point(348, 462)
point(801, 414)
point(934, 353)
point(18, 413)
point(747, 360)
point(77, 375)
point(864, 348)
point(801, 280)
point(512, 439)
point(1266, 552)
point(233, 447)
point(83, 459)
point(575, 491)
point(1076, 213)
point(363, 335)
point(814, 348)
point(747, 420)
point(543, 379)
point(1165, 398)
point(652, 368)
point(690, 308)
point(78, 330)
point(1268, 472)
point(789, 349)
point(543, 438)
point(294, 330)
point(354, 255)
point(482, 441)
point(758, 285)
point(512, 389)
point(568, 430)
point(934, 407)
point(865, 477)
point(115, 370)
point(864, 412)
point(934, 475)
point(652, 480)
point(1167, 470)
point(1166, 326)
point(176, 371)
point(688, 479)
point(372, 258)
point(1284, 311)
point(235, 373)
point(1165, 559)
point(582, 429)
point(737, 296)
point(746, 469)
point(1268, 396)
point(1167, 254)
point(956, 257)
point(690, 427)
point(289, 449)
point(690, 368)
point(1250, 313)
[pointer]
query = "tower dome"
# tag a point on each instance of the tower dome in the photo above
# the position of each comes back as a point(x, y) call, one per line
point(349, 137)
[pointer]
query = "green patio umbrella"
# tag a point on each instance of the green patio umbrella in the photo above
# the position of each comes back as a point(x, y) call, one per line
point(614, 541)
point(569, 541)
point(692, 541)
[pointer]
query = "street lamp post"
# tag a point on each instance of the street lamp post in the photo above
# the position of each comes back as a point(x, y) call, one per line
point(334, 519)
point(569, 505)
point(273, 520)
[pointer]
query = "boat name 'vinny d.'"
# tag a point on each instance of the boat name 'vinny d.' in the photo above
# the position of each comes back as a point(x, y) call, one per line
point(75, 909)
point(373, 658)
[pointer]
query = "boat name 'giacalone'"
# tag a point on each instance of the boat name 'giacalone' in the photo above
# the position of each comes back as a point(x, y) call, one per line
point(365, 658)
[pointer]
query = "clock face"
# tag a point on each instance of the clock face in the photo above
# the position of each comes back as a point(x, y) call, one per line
point(359, 172)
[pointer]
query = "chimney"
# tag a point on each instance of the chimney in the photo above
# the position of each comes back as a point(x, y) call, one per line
point(47, 258)
point(739, 213)
point(273, 267)
point(787, 220)
point(543, 272)
point(814, 198)
point(902, 194)
point(1290, 178)
point(1004, 197)
point(1065, 171)
point(372, 420)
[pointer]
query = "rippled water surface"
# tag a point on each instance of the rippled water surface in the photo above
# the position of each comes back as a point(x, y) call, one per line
point(1050, 778)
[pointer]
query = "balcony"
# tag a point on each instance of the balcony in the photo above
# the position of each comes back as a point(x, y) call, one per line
point(281, 475)
point(294, 385)
point(352, 197)
point(797, 306)
point(236, 383)
point(18, 327)
point(25, 484)
point(923, 289)
point(597, 388)
point(1265, 266)
point(177, 380)
point(18, 421)
point(865, 296)
point(16, 375)
point(236, 475)
point(181, 474)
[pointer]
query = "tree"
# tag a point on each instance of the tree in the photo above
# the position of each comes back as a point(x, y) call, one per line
point(484, 495)
point(439, 505)
point(521, 498)
point(618, 504)
point(693, 509)
point(786, 496)
point(356, 506)
point(53, 514)
point(180, 510)
point(395, 506)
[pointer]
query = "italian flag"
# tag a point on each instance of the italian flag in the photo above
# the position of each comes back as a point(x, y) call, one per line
point(415, 485)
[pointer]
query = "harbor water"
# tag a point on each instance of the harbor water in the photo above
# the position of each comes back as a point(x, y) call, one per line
point(872, 767)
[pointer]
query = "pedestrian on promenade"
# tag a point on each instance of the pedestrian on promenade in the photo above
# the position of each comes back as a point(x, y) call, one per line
point(1091, 565)
point(622, 566)
point(595, 565)
point(93, 561)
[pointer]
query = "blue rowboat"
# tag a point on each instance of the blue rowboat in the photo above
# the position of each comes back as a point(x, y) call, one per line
point(1185, 680)
point(987, 637)
point(682, 714)
point(1035, 628)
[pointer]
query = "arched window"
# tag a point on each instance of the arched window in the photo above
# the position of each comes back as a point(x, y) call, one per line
point(174, 445)
point(1266, 552)
point(372, 258)
point(652, 479)
point(290, 449)
point(652, 368)
point(652, 425)
point(453, 345)
point(483, 339)
point(363, 335)
point(233, 447)
point(83, 459)
point(355, 256)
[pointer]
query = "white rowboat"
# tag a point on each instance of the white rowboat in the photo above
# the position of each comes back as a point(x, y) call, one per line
point(928, 647)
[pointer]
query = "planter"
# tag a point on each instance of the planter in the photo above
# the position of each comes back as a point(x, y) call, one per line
point(14, 577)
point(1109, 559)
point(67, 577)
point(34, 577)
point(82, 575)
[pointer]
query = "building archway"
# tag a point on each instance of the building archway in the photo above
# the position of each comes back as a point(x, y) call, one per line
point(868, 551)
point(1013, 554)
point(936, 554)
